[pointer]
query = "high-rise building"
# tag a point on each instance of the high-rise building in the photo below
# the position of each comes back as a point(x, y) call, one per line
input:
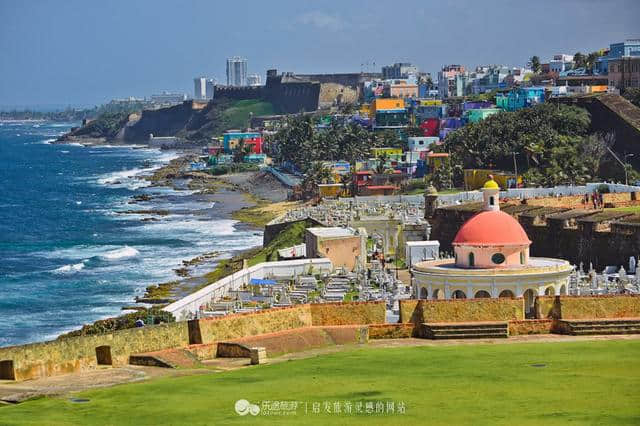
point(203, 88)
point(199, 88)
point(236, 71)
point(254, 80)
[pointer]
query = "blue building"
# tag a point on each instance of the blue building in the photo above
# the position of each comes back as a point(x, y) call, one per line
point(520, 98)
point(630, 47)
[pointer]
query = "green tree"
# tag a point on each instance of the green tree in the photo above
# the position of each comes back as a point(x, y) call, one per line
point(535, 64)
point(240, 151)
point(579, 60)
point(632, 94)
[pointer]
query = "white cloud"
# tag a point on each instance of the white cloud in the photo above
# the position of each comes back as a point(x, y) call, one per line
point(322, 20)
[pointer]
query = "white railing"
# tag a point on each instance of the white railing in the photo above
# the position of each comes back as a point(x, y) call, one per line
point(188, 306)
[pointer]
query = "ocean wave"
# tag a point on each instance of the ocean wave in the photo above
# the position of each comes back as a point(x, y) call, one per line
point(70, 269)
point(223, 227)
point(46, 142)
point(121, 253)
point(126, 178)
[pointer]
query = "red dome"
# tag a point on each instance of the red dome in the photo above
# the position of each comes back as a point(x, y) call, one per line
point(493, 228)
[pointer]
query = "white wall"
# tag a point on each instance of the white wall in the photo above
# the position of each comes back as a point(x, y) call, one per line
point(187, 307)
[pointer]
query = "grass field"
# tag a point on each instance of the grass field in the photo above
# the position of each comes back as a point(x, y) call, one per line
point(592, 382)
point(238, 113)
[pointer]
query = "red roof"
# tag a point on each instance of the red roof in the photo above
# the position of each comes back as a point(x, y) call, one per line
point(495, 228)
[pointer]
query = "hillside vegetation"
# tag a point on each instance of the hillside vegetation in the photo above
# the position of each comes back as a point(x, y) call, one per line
point(551, 145)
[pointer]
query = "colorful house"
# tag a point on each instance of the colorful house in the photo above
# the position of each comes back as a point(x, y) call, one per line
point(435, 160)
point(520, 98)
point(475, 115)
point(332, 190)
point(421, 143)
point(475, 178)
point(388, 151)
point(389, 113)
point(230, 141)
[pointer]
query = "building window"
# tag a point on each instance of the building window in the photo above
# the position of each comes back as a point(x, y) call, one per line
point(472, 261)
point(522, 258)
point(491, 201)
point(498, 258)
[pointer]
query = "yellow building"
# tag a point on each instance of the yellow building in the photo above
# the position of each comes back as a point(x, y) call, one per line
point(436, 159)
point(389, 151)
point(365, 110)
point(430, 102)
point(332, 190)
point(386, 104)
point(475, 178)
point(345, 247)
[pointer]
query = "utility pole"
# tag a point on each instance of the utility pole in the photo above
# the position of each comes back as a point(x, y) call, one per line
point(515, 166)
point(622, 163)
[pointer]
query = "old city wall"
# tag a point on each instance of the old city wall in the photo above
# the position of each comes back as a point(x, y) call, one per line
point(588, 307)
point(586, 244)
point(348, 313)
point(273, 320)
point(80, 353)
point(461, 310)
point(298, 339)
point(250, 324)
point(612, 113)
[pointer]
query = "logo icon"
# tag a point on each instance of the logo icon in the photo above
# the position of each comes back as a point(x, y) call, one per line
point(244, 407)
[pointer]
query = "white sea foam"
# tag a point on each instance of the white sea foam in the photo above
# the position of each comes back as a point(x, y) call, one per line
point(121, 253)
point(46, 142)
point(70, 269)
point(64, 152)
point(204, 227)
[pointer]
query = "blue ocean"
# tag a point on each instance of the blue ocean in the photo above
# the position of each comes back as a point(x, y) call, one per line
point(67, 257)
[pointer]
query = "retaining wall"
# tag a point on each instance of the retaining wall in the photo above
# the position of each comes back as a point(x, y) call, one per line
point(300, 339)
point(348, 313)
point(79, 353)
point(462, 310)
point(588, 307)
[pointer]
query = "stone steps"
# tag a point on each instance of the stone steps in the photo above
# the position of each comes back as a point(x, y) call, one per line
point(474, 330)
point(602, 327)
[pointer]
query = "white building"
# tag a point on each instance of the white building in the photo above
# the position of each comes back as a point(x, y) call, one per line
point(199, 88)
point(254, 80)
point(561, 62)
point(203, 88)
point(236, 71)
point(168, 98)
point(421, 143)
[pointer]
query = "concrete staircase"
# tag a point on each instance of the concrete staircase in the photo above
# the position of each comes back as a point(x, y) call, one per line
point(590, 327)
point(465, 330)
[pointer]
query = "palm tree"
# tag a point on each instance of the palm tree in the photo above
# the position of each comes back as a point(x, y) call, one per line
point(346, 181)
point(239, 151)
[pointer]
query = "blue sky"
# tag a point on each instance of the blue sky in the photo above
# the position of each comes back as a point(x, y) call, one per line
point(87, 52)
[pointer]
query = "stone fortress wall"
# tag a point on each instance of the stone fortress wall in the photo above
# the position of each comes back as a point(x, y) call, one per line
point(84, 353)
point(559, 227)
point(287, 329)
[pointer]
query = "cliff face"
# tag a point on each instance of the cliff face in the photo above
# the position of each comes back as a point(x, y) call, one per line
point(195, 122)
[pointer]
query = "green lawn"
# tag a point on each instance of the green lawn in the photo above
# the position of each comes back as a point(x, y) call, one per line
point(238, 113)
point(594, 382)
